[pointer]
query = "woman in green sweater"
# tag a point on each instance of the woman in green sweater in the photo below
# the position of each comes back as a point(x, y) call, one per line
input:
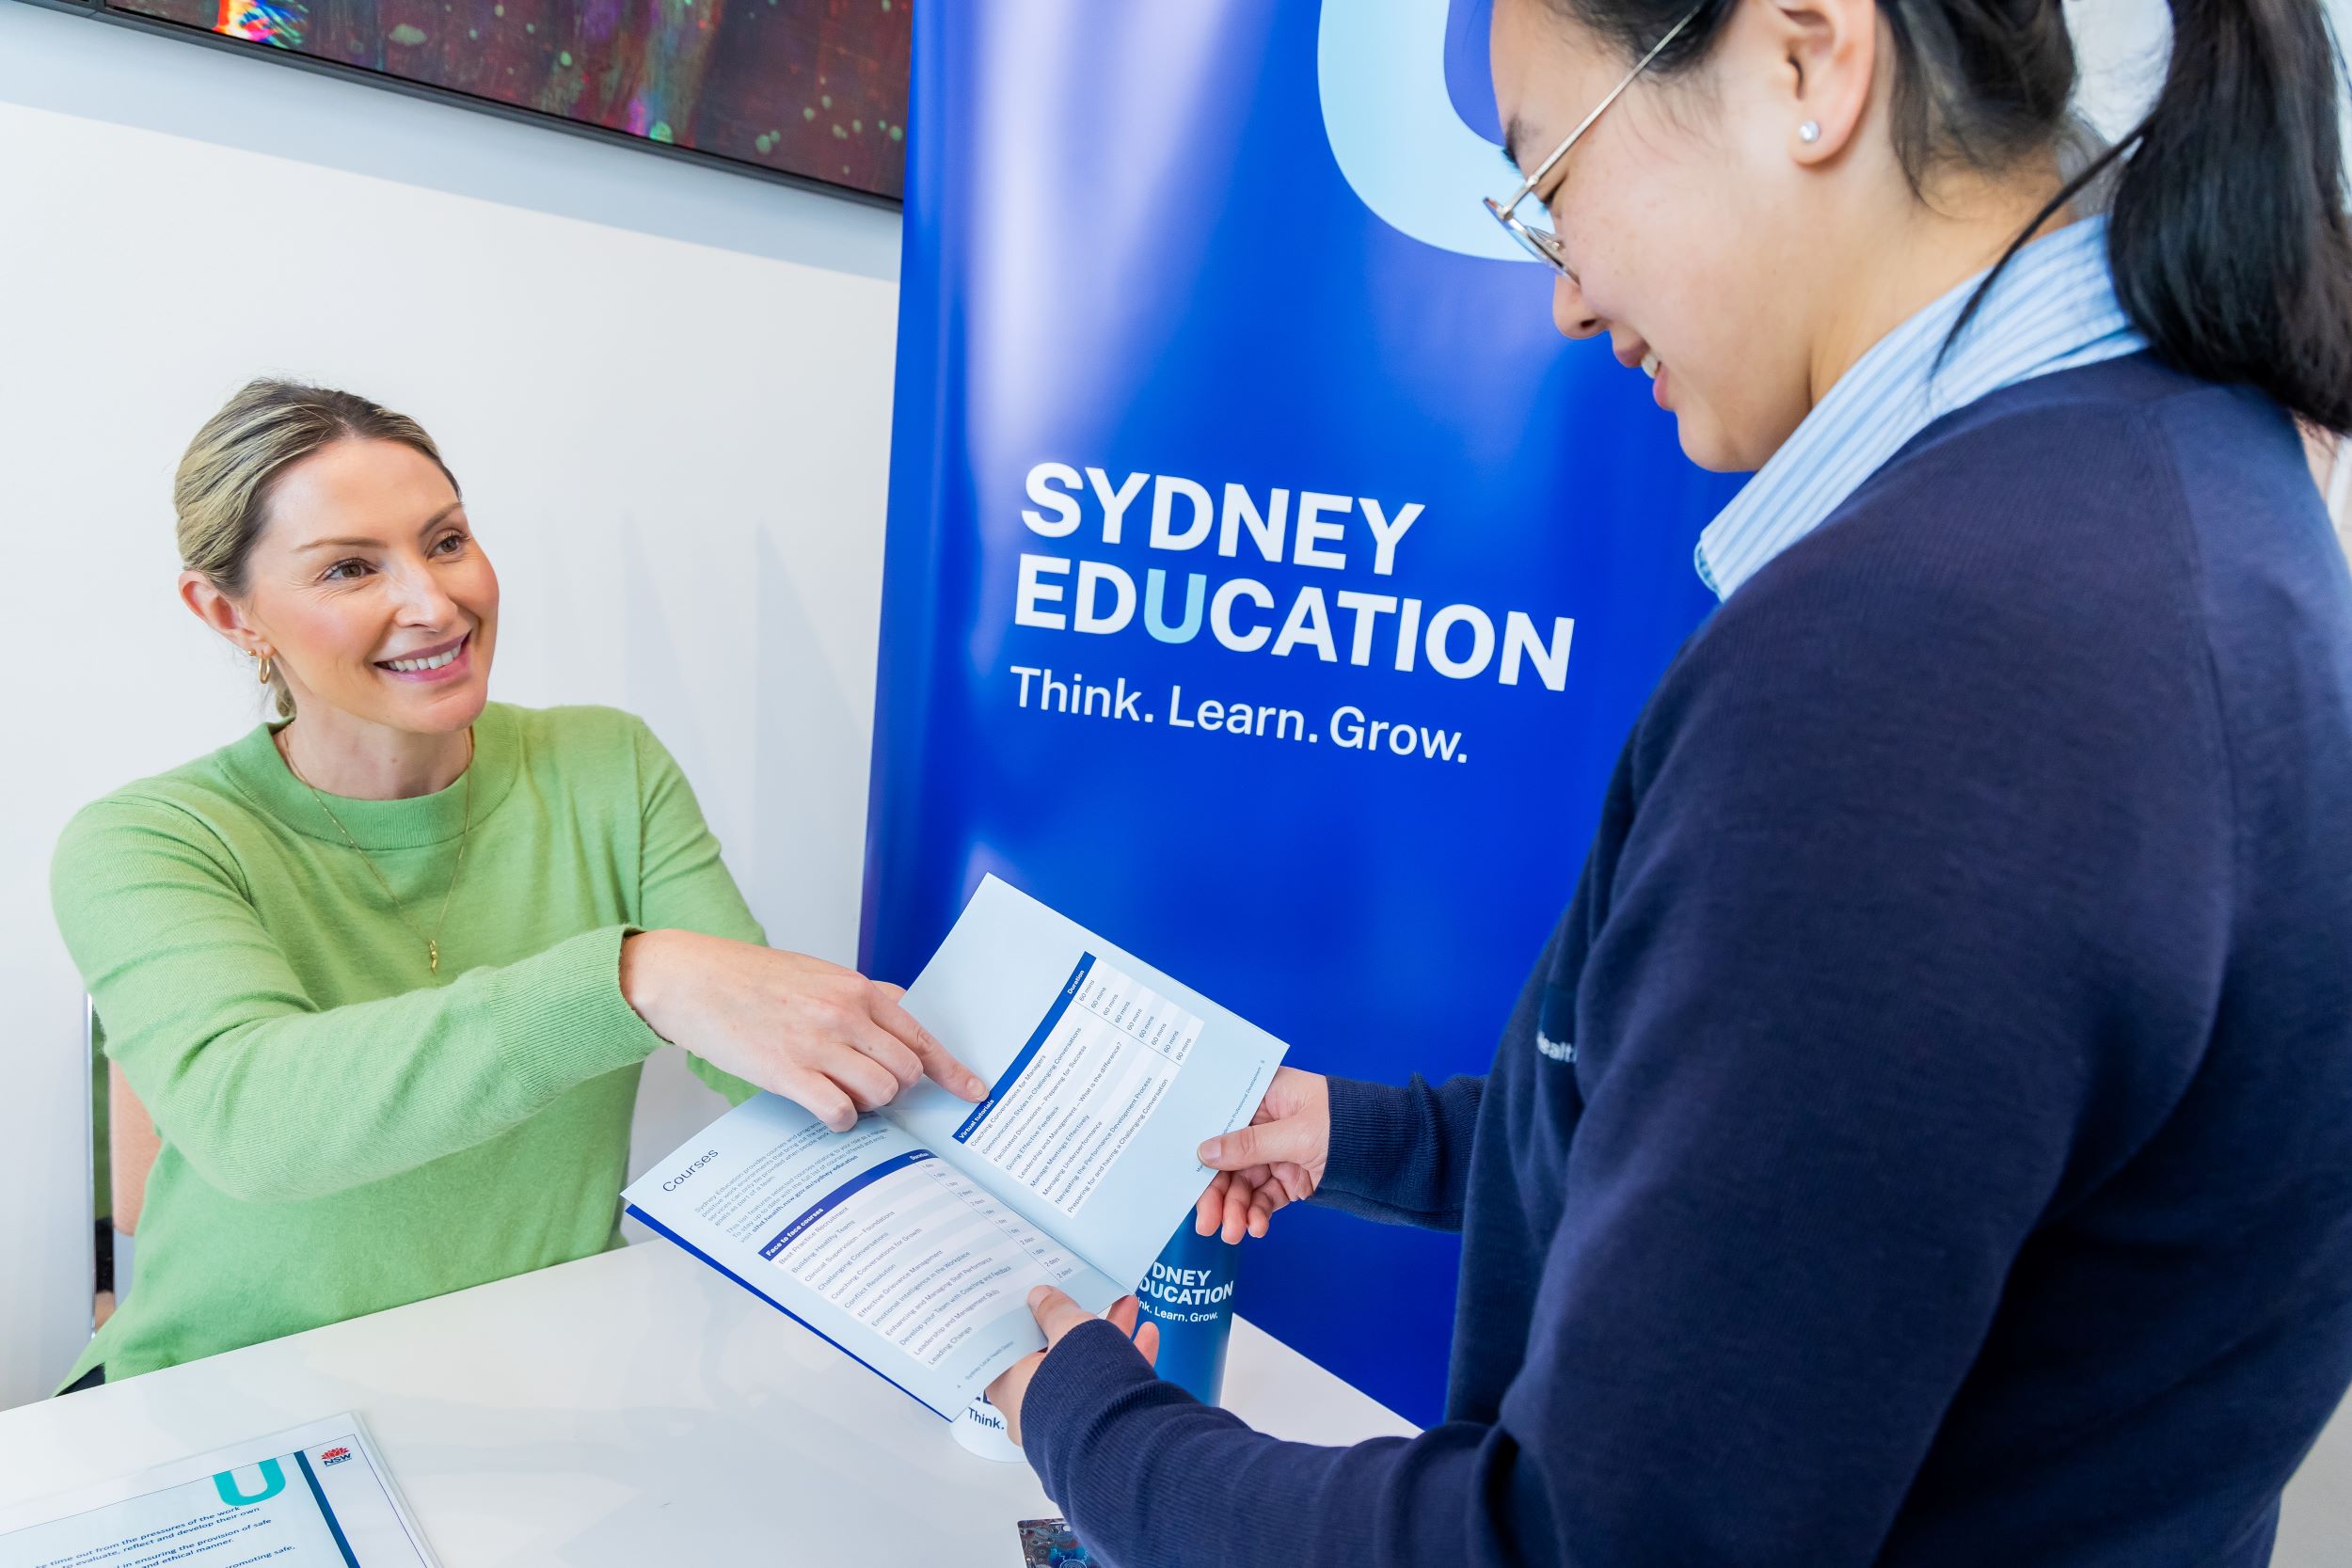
point(384, 971)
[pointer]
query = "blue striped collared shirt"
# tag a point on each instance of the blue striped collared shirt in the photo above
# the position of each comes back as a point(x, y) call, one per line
point(2053, 308)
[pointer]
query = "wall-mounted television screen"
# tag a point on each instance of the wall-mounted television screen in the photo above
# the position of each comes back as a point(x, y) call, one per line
point(813, 91)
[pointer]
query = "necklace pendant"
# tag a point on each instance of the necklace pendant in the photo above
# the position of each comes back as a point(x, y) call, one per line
point(432, 956)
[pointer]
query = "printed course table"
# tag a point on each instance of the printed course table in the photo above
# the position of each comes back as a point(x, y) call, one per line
point(628, 1409)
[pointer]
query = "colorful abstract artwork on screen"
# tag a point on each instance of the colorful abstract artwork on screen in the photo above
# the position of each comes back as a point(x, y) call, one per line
point(816, 89)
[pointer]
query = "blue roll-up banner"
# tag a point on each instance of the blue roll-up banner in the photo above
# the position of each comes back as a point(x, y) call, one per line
point(1269, 587)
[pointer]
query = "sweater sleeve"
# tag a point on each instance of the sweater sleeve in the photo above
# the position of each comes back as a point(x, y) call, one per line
point(1878, 992)
point(683, 884)
point(1401, 1155)
point(271, 1098)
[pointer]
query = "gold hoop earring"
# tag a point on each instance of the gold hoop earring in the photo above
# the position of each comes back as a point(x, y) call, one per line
point(264, 668)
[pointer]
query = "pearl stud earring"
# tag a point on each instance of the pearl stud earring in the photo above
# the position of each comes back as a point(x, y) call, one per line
point(1809, 131)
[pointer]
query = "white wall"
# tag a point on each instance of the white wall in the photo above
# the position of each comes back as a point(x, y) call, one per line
point(666, 390)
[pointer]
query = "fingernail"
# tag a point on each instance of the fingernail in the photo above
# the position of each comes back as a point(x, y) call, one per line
point(1037, 1294)
point(1211, 1150)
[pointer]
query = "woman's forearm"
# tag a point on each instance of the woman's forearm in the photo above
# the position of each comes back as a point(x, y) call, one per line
point(1400, 1153)
point(273, 1100)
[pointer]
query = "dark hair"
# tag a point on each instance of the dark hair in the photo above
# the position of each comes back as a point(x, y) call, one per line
point(2228, 235)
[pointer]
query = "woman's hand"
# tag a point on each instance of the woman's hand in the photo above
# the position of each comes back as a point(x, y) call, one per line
point(1056, 1314)
point(1278, 1159)
point(811, 1031)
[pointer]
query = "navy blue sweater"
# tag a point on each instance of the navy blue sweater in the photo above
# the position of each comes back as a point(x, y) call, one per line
point(1927, 1138)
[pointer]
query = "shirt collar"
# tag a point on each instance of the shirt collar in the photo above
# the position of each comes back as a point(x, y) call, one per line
point(2053, 308)
point(261, 774)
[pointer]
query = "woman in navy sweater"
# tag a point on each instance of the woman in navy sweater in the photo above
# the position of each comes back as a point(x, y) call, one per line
point(1927, 1138)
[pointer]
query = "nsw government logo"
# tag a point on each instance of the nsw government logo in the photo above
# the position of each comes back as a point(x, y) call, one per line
point(334, 1456)
point(1559, 1051)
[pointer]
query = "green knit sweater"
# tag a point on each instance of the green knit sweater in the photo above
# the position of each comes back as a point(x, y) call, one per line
point(343, 1132)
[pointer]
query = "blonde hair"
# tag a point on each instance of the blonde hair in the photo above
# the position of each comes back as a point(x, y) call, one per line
point(221, 493)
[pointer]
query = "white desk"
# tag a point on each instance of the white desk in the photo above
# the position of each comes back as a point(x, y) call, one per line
point(632, 1409)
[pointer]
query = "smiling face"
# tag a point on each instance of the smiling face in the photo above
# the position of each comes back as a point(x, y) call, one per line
point(1691, 225)
point(367, 585)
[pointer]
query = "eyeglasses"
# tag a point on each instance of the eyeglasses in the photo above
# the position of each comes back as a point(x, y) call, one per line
point(1543, 243)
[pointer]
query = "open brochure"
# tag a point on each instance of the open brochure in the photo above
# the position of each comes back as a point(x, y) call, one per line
point(317, 1496)
point(913, 1240)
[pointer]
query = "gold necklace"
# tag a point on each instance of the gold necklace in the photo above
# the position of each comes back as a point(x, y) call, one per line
point(431, 945)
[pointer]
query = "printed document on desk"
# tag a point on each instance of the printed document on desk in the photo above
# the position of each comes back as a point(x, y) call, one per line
point(913, 1240)
point(315, 1497)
